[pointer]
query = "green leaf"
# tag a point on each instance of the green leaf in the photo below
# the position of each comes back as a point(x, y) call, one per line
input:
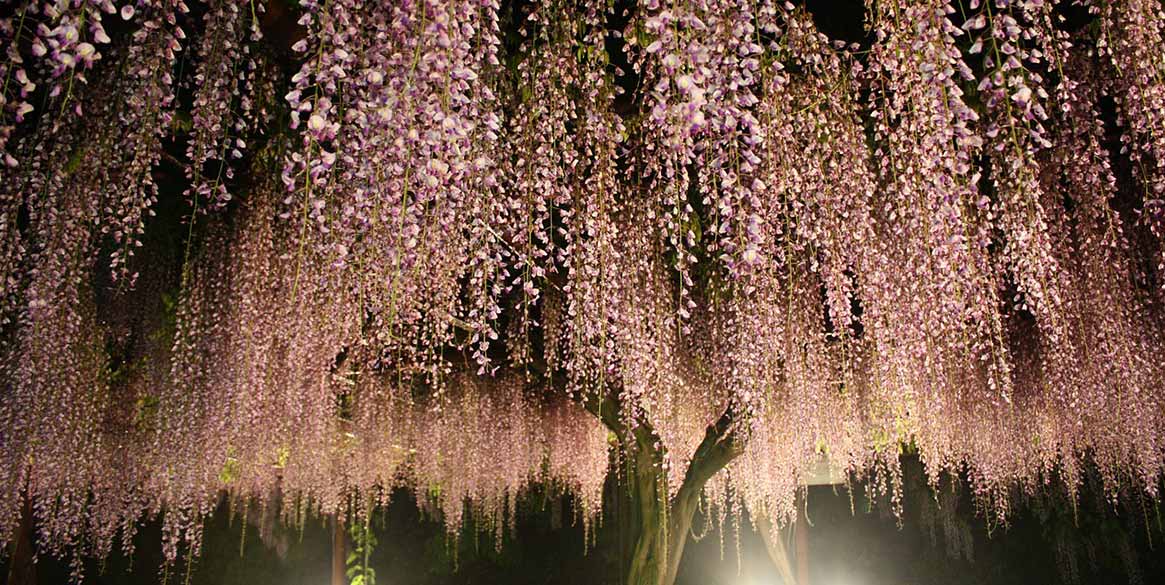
point(181, 122)
point(230, 470)
point(74, 161)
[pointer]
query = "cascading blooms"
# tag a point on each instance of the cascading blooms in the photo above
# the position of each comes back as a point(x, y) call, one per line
point(425, 241)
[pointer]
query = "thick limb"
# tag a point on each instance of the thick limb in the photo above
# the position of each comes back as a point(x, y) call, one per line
point(663, 529)
point(774, 543)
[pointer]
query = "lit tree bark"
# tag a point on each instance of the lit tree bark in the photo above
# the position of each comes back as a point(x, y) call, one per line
point(662, 529)
point(774, 544)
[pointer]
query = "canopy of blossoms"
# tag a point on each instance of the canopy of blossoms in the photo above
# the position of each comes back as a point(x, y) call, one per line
point(330, 248)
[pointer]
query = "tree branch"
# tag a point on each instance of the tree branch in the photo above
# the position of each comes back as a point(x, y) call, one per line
point(722, 443)
point(720, 446)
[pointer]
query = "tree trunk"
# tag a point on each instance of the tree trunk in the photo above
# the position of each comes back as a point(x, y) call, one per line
point(775, 545)
point(648, 552)
point(22, 563)
point(663, 529)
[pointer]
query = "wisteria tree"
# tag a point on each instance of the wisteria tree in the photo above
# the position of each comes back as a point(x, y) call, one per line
point(302, 254)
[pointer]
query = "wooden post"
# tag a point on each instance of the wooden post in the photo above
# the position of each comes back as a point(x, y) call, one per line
point(339, 552)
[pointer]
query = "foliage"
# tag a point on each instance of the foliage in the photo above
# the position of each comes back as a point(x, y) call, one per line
point(455, 244)
point(363, 542)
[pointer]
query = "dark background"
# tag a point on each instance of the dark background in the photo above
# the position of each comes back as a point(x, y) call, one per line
point(854, 539)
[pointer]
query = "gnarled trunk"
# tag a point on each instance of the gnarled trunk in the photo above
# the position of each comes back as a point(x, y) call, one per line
point(663, 529)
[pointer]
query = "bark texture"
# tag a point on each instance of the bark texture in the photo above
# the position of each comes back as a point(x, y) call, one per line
point(663, 528)
point(778, 551)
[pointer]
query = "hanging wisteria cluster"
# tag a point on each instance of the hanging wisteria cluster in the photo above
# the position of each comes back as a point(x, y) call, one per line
point(306, 253)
